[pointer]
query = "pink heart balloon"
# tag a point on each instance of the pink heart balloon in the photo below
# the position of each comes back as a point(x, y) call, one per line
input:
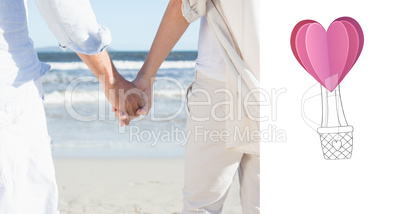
point(293, 37)
point(327, 55)
point(353, 50)
point(355, 29)
point(302, 49)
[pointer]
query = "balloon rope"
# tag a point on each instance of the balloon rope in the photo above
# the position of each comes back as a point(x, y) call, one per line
point(324, 105)
point(339, 100)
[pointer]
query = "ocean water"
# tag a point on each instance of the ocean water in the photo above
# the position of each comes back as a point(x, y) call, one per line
point(80, 121)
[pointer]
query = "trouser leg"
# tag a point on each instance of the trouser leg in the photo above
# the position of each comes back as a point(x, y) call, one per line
point(249, 177)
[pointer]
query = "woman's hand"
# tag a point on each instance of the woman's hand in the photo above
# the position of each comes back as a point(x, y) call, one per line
point(143, 86)
point(125, 98)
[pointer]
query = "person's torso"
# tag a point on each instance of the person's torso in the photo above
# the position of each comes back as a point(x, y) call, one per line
point(210, 61)
point(19, 60)
point(242, 19)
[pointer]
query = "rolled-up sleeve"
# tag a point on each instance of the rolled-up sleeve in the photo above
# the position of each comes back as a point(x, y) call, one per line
point(193, 9)
point(74, 25)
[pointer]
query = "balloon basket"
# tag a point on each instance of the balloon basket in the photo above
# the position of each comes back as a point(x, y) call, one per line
point(336, 142)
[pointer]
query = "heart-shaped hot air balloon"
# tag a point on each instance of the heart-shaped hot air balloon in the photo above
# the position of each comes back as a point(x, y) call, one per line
point(327, 55)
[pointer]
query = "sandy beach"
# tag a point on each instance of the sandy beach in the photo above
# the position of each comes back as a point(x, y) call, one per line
point(132, 185)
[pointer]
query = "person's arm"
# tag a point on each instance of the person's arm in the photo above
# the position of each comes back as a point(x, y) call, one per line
point(122, 94)
point(74, 25)
point(178, 16)
point(172, 27)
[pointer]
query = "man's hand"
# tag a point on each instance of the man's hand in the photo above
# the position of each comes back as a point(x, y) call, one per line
point(146, 86)
point(125, 98)
point(143, 86)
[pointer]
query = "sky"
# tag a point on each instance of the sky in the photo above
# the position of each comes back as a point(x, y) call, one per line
point(133, 24)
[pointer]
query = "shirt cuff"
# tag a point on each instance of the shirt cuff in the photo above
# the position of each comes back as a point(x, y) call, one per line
point(193, 9)
point(95, 43)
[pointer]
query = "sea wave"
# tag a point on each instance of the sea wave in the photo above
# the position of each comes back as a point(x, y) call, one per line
point(122, 65)
point(91, 96)
point(60, 97)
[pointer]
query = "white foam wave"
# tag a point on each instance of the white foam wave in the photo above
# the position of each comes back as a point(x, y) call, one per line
point(122, 65)
point(60, 97)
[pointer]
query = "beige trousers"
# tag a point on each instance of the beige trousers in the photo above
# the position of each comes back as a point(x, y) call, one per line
point(209, 166)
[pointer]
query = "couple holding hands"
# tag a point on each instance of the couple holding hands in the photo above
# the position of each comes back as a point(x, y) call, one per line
point(227, 76)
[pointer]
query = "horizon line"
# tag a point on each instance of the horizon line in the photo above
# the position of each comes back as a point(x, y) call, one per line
point(110, 49)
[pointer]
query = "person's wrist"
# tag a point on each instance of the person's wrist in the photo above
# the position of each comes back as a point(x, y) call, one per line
point(112, 79)
point(145, 77)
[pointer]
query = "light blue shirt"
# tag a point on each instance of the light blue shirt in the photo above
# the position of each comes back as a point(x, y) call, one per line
point(72, 22)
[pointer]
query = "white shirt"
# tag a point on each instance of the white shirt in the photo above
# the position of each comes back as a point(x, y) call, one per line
point(209, 61)
point(243, 24)
point(71, 21)
point(235, 24)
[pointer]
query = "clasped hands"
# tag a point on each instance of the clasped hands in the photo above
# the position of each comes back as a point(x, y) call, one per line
point(129, 100)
